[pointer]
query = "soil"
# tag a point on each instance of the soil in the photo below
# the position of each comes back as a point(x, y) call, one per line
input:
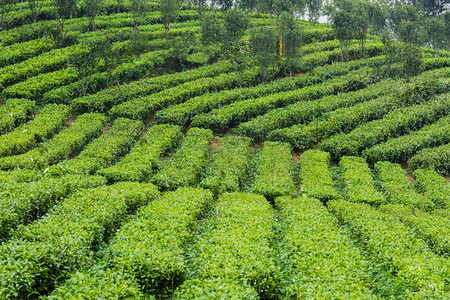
point(70, 122)
point(214, 146)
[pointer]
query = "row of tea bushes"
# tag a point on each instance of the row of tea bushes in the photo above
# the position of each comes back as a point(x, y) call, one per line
point(433, 186)
point(109, 97)
point(274, 174)
point(15, 112)
point(397, 188)
point(19, 175)
point(358, 180)
point(238, 112)
point(399, 149)
point(431, 228)
point(301, 112)
point(315, 177)
point(49, 121)
point(21, 203)
point(183, 169)
point(234, 249)
point(437, 158)
point(228, 166)
point(182, 113)
point(392, 244)
point(141, 108)
point(312, 266)
point(62, 146)
point(150, 248)
point(139, 164)
point(23, 51)
point(397, 122)
point(102, 151)
point(46, 251)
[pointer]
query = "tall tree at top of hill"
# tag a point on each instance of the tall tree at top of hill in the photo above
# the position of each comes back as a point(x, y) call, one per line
point(93, 8)
point(263, 43)
point(138, 10)
point(35, 8)
point(169, 12)
point(65, 9)
point(291, 38)
point(343, 24)
point(314, 8)
point(435, 32)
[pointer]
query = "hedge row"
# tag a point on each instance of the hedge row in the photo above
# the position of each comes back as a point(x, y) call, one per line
point(103, 150)
point(23, 51)
point(44, 63)
point(34, 87)
point(235, 249)
point(19, 175)
point(181, 114)
point(359, 184)
point(15, 112)
point(300, 112)
point(401, 148)
point(44, 252)
point(433, 186)
point(437, 158)
point(141, 108)
point(239, 112)
point(433, 229)
point(144, 65)
point(22, 203)
point(118, 94)
point(346, 119)
point(62, 146)
point(398, 122)
point(313, 267)
point(274, 174)
point(308, 62)
point(50, 120)
point(184, 167)
point(315, 177)
point(143, 157)
point(397, 188)
point(392, 244)
point(228, 165)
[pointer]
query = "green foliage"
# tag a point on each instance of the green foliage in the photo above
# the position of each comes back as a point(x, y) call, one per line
point(22, 203)
point(359, 184)
point(433, 186)
point(44, 252)
point(235, 248)
point(433, 229)
point(228, 165)
point(274, 174)
point(15, 112)
point(437, 158)
point(169, 12)
point(263, 45)
point(311, 236)
point(102, 151)
point(184, 167)
point(401, 148)
point(301, 112)
point(23, 51)
point(398, 122)
point(139, 164)
point(315, 177)
point(107, 98)
point(223, 118)
point(49, 121)
point(397, 188)
point(392, 244)
point(215, 288)
point(62, 146)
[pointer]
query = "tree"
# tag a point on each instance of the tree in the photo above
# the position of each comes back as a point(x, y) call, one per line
point(291, 38)
point(138, 9)
point(86, 63)
point(314, 8)
point(110, 58)
point(211, 29)
point(361, 22)
point(64, 11)
point(435, 32)
point(343, 25)
point(4, 9)
point(35, 8)
point(235, 24)
point(93, 8)
point(169, 11)
point(225, 4)
point(410, 56)
point(248, 5)
point(263, 44)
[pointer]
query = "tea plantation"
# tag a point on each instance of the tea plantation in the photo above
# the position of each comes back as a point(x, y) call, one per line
point(192, 150)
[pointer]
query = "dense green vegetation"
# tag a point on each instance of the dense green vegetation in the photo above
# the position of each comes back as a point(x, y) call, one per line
point(193, 149)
